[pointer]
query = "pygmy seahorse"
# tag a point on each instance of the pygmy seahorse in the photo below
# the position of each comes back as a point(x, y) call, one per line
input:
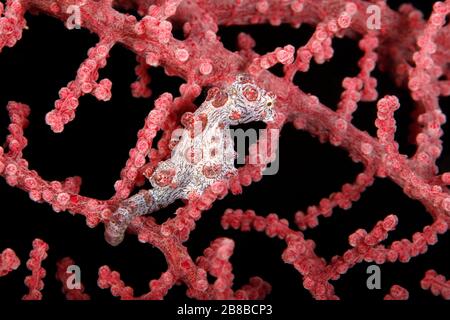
point(203, 154)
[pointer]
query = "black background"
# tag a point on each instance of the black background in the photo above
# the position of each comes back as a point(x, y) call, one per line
point(95, 146)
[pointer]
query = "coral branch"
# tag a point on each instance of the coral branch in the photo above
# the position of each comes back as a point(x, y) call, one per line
point(319, 45)
point(363, 86)
point(424, 86)
point(12, 23)
point(34, 281)
point(397, 293)
point(111, 279)
point(216, 262)
point(299, 252)
point(437, 284)
point(342, 199)
point(84, 83)
point(63, 274)
point(8, 262)
point(156, 119)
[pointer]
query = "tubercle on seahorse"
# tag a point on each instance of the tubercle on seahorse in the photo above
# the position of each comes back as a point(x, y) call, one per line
point(202, 155)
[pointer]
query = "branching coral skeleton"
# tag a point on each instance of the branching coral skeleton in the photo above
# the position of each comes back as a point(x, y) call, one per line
point(413, 51)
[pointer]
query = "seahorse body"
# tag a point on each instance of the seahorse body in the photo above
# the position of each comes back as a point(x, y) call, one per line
point(203, 154)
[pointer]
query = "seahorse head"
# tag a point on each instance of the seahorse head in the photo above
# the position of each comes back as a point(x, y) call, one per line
point(243, 101)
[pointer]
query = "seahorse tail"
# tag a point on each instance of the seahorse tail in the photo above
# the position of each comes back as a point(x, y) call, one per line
point(139, 204)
